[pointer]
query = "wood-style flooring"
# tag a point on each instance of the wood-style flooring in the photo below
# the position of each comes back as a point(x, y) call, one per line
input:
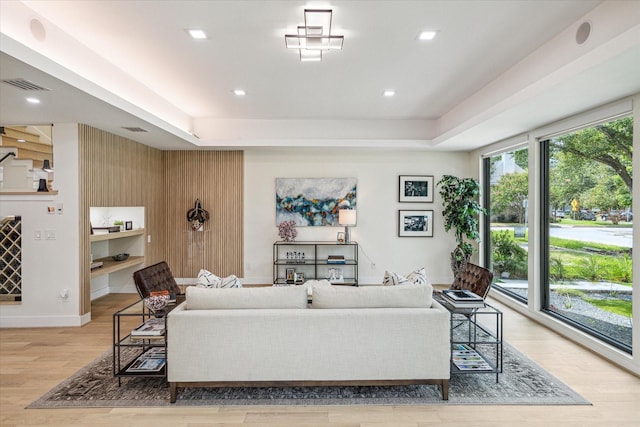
point(33, 360)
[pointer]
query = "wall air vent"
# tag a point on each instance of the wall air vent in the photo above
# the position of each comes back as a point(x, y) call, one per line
point(134, 129)
point(24, 84)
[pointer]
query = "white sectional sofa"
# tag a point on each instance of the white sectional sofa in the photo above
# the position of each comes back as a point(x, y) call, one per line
point(270, 336)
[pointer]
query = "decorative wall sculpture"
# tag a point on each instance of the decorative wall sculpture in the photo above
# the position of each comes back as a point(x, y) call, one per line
point(314, 201)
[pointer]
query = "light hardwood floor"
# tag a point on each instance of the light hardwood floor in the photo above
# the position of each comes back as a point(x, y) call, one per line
point(34, 360)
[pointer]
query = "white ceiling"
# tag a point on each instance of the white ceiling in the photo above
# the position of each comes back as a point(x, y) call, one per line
point(496, 69)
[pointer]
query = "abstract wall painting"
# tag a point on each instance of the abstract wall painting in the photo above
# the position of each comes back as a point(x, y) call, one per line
point(314, 201)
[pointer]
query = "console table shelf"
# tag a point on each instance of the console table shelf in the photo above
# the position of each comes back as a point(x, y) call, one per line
point(311, 259)
point(479, 330)
point(122, 340)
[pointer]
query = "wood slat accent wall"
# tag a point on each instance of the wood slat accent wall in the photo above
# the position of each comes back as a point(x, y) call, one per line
point(216, 178)
point(115, 171)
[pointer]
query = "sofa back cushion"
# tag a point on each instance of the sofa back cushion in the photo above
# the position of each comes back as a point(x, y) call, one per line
point(200, 298)
point(406, 296)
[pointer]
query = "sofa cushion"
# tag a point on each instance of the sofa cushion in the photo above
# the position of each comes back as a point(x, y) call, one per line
point(199, 298)
point(417, 276)
point(407, 296)
point(210, 280)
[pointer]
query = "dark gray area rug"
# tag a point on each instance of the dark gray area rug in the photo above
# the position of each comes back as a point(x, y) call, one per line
point(522, 383)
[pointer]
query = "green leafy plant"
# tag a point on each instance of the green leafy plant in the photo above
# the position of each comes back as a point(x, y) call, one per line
point(557, 271)
point(461, 211)
point(507, 255)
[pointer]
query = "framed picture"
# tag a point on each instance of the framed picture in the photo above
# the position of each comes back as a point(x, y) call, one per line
point(290, 275)
point(128, 225)
point(299, 277)
point(416, 188)
point(415, 223)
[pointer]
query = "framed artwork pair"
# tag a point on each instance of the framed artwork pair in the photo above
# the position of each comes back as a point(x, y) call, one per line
point(415, 189)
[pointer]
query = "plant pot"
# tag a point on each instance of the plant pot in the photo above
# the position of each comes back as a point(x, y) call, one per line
point(459, 260)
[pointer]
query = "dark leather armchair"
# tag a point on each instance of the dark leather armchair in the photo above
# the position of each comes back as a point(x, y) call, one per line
point(157, 277)
point(475, 279)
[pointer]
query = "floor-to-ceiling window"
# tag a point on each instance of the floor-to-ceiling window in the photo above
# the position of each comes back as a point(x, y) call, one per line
point(587, 227)
point(506, 240)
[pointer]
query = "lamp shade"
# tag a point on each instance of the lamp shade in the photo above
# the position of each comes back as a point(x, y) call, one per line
point(347, 217)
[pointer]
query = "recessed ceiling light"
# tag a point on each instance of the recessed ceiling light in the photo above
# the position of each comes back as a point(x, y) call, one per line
point(197, 34)
point(239, 92)
point(33, 100)
point(427, 35)
point(389, 93)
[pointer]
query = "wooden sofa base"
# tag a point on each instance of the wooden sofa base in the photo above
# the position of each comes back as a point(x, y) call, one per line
point(173, 386)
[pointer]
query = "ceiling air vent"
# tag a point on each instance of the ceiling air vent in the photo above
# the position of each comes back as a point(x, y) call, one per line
point(24, 84)
point(134, 129)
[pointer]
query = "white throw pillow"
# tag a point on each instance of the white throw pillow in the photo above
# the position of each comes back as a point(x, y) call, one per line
point(417, 276)
point(392, 279)
point(210, 280)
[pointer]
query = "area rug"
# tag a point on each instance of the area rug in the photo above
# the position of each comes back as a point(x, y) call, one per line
point(522, 382)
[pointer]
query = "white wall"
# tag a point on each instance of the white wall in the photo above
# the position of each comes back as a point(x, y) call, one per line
point(49, 266)
point(377, 172)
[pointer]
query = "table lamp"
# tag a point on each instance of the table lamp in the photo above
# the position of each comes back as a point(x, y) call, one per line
point(347, 217)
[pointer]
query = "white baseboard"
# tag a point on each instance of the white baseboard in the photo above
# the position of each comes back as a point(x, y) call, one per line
point(42, 321)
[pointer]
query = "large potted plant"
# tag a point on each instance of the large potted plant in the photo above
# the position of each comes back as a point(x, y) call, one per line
point(461, 211)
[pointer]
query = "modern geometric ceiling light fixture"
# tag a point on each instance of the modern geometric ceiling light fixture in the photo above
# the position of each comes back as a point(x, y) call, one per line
point(314, 36)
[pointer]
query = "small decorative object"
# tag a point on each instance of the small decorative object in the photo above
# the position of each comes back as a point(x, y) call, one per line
point(415, 223)
point(416, 189)
point(290, 275)
point(299, 278)
point(128, 225)
point(119, 223)
point(287, 230)
point(120, 257)
point(197, 216)
point(340, 236)
point(42, 186)
point(156, 302)
point(335, 275)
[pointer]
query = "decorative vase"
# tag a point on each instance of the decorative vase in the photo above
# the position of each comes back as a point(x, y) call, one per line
point(156, 302)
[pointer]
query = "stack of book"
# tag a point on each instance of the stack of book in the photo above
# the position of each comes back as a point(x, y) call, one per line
point(468, 359)
point(336, 259)
point(151, 328)
point(153, 360)
point(462, 298)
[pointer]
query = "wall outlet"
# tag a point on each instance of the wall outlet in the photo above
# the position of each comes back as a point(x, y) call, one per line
point(64, 294)
point(37, 235)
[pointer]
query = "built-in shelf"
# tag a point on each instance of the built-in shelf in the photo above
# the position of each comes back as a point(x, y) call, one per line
point(116, 275)
point(29, 193)
point(111, 266)
point(99, 237)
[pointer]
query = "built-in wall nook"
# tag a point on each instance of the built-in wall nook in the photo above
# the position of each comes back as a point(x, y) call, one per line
point(117, 237)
